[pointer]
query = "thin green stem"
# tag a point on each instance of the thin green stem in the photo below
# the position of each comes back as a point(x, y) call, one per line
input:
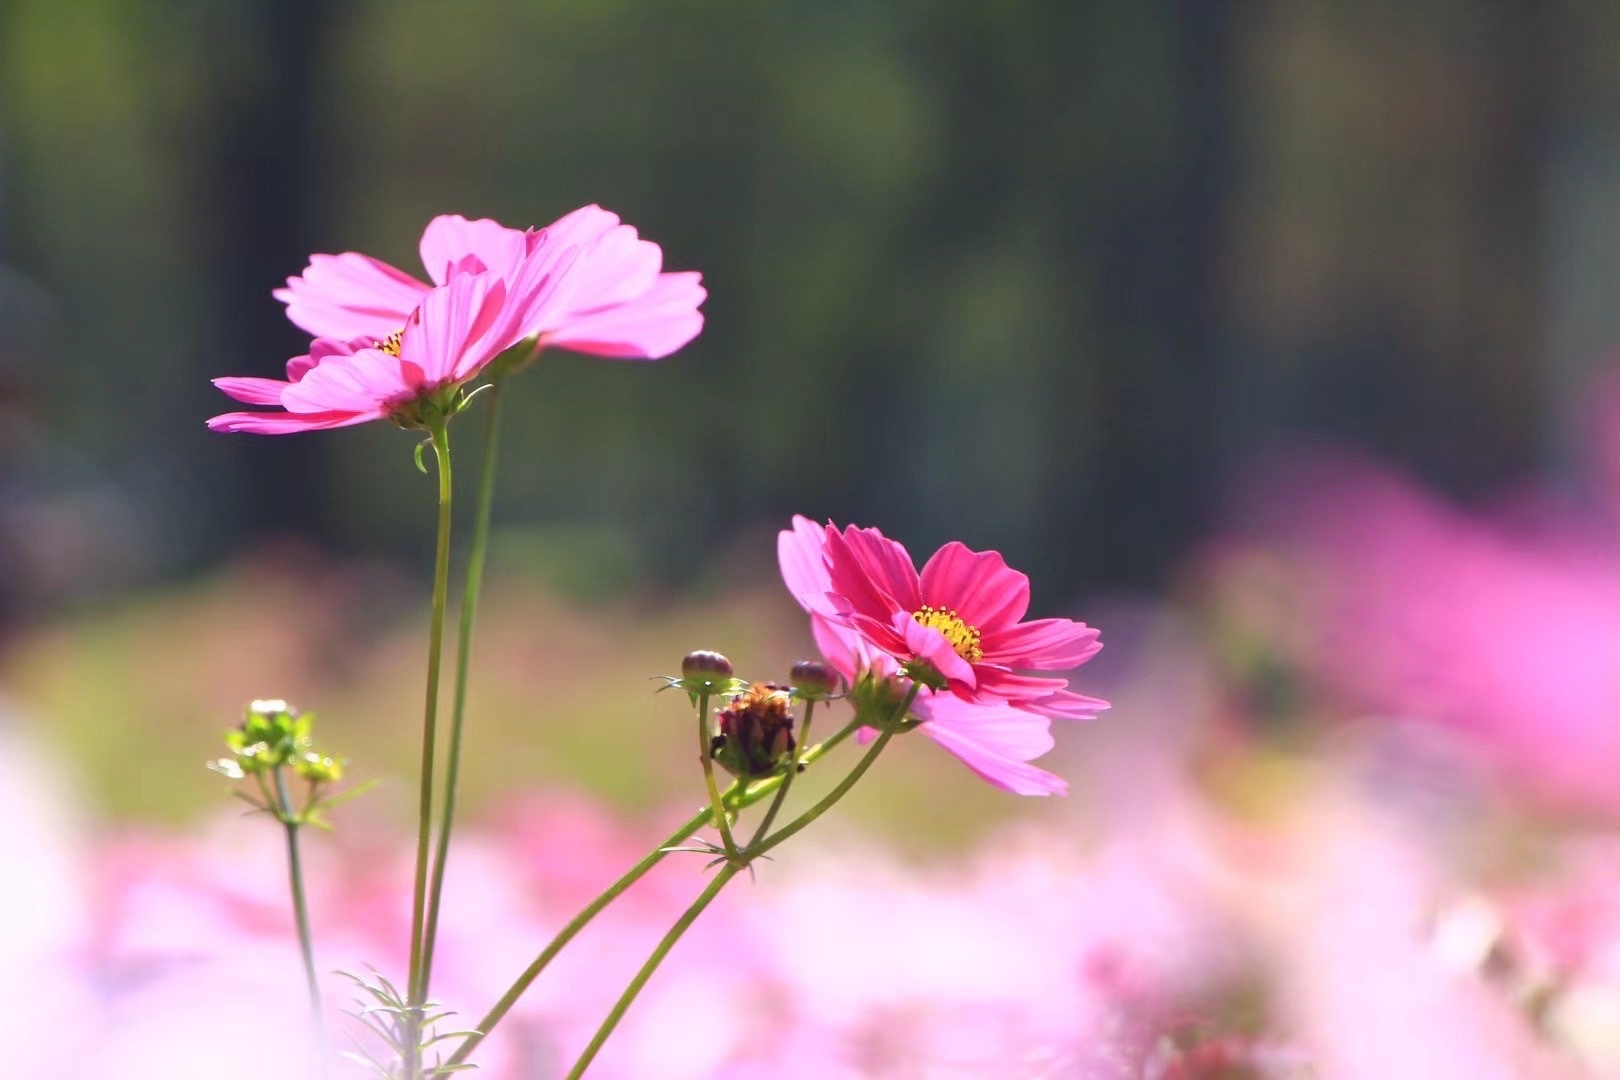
point(787, 779)
point(575, 925)
point(736, 798)
point(805, 819)
point(295, 877)
point(622, 1006)
point(469, 611)
point(705, 758)
point(417, 990)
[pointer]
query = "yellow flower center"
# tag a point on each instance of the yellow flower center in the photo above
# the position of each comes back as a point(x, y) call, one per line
point(963, 638)
point(390, 344)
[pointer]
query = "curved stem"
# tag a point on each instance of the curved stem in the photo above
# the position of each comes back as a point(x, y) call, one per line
point(295, 875)
point(737, 797)
point(705, 758)
point(810, 815)
point(787, 779)
point(729, 871)
point(458, 709)
point(622, 1006)
point(417, 989)
point(575, 925)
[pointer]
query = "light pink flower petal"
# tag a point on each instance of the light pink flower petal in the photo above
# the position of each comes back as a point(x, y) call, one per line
point(253, 391)
point(649, 327)
point(979, 585)
point(535, 300)
point(321, 348)
point(580, 227)
point(1044, 644)
point(996, 743)
point(368, 381)
point(284, 423)
point(847, 652)
point(350, 295)
point(445, 338)
point(617, 267)
point(450, 238)
point(804, 570)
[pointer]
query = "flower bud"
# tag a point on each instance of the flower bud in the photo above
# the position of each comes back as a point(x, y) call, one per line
point(756, 732)
point(705, 662)
point(705, 673)
point(812, 680)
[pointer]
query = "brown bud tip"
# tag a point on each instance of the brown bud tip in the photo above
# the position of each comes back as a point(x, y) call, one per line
point(813, 679)
point(705, 663)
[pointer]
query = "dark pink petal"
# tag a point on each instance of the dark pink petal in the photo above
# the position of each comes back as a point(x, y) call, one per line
point(450, 238)
point(1043, 645)
point(281, 423)
point(1001, 682)
point(881, 635)
point(872, 572)
point(978, 585)
point(1045, 697)
point(996, 742)
point(1065, 705)
point(253, 391)
point(350, 295)
point(649, 327)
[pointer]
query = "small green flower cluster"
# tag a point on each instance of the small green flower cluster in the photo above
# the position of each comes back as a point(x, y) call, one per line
point(274, 736)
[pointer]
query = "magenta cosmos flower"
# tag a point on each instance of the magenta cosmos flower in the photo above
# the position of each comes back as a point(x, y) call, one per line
point(611, 297)
point(995, 738)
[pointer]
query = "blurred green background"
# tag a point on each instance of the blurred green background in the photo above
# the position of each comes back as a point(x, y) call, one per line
point(1040, 276)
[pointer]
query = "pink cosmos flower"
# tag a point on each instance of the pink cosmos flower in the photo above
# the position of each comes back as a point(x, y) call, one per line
point(963, 615)
point(611, 297)
point(995, 738)
point(457, 329)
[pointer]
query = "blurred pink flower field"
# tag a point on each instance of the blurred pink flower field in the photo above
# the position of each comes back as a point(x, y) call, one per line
point(1331, 887)
point(1352, 816)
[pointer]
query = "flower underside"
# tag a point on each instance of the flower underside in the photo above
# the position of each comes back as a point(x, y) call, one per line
point(963, 637)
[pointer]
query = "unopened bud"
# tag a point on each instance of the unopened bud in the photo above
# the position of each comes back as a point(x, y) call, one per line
point(705, 662)
point(812, 680)
point(705, 673)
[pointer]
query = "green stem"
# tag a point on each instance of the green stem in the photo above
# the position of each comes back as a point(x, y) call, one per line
point(417, 990)
point(469, 610)
point(295, 875)
point(622, 1006)
point(575, 925)
point(704, 757)
point(787, 779)
point(805, 819)
point(736, 798)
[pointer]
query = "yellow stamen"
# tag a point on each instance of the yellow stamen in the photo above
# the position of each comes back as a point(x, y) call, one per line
point(963, 638)
point(390, 344)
